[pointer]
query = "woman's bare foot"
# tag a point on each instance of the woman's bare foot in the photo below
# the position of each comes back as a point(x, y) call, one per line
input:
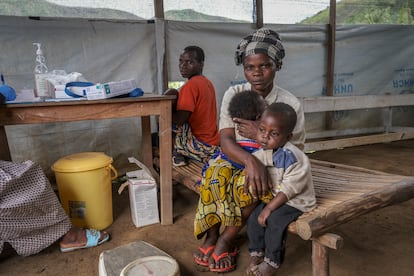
point(254, 261)
point(203, 254)
point(263, 269)
point(223, 258)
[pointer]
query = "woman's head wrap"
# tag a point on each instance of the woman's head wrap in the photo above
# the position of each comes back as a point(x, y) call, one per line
point(263, 41)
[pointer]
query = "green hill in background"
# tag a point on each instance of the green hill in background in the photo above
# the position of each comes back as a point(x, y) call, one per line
point(192, 15)
point(368, 12)
point(347, 12)
point(45, 9)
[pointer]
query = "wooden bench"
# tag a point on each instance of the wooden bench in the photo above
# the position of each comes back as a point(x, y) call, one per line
point(388, 132)
point(343, 193)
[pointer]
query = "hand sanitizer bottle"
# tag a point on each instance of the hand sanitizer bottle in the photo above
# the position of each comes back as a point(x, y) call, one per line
point(40, 73)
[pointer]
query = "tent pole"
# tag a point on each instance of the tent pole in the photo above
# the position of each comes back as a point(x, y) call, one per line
point(159, 14)
point(258, 13)
point(330, 59)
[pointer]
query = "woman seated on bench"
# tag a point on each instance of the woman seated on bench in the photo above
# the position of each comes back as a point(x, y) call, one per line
point(261, 54)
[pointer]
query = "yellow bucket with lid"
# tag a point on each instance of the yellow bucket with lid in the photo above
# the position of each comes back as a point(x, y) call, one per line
point(84, 182)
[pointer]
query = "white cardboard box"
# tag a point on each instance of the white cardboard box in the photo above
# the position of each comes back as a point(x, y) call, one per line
point(143, 196)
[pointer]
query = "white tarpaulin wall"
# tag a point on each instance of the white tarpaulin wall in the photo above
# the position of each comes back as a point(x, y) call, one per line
point(304, 62)
point(102, 51)
point(375, 59)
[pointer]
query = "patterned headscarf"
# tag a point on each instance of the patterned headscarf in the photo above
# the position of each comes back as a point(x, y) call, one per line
point(263, 41)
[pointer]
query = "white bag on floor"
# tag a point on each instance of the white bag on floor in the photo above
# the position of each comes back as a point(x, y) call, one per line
point(143, 197)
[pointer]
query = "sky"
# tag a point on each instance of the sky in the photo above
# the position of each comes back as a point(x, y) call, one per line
point(274, 11)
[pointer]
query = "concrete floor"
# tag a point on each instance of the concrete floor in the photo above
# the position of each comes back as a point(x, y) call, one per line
point(379, 243)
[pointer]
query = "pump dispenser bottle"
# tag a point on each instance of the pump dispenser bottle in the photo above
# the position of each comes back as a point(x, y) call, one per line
point(40, 73)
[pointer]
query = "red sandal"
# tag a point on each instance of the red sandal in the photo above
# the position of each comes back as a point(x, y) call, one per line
point(206, 253)
point(222, 256)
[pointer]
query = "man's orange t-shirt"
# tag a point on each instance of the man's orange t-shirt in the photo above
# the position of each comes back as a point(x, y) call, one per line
point(198, 96)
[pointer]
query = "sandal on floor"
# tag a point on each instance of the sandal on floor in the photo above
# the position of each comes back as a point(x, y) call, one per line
point(92, 239)
point(206, 253)
point(231, 255)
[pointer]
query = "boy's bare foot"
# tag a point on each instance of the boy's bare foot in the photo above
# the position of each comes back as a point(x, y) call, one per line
point(254, 261)
point(263, 269)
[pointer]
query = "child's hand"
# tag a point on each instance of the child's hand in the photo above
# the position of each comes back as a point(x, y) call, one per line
point(264, 214)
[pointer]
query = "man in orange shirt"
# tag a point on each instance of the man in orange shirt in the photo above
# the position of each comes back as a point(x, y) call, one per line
point(195, 113)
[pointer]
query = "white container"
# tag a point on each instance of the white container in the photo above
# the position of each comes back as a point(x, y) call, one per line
point(41, 73)
point(42, 85)
point(143, 198)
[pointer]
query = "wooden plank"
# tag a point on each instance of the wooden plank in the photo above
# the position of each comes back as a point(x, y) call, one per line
point(406, 130)
point(344, 132)
point(318, 223)
point(355, 141)
point(322, 104)
point(60, 113)
point(330, 240)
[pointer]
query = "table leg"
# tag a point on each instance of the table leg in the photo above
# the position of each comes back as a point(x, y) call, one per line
point(165, 124)
point(146, 141)
point(4, 145)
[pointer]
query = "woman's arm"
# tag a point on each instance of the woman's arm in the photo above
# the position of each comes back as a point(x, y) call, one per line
point(256, 173)
point(179, 117)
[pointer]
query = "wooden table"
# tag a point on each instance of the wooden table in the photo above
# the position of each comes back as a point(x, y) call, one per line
point(68, 111)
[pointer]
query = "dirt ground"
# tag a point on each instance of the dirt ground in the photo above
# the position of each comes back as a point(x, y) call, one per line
point(379, 243)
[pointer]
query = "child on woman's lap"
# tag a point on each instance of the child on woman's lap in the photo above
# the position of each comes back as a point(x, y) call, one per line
point(291, 195)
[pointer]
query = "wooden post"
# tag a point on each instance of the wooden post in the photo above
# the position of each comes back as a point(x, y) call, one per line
point(159, 14)
point(330, 59)
point(259, 13)
point(146, 141)
point(320, 259)
point(159, 8)
point(320, 254)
